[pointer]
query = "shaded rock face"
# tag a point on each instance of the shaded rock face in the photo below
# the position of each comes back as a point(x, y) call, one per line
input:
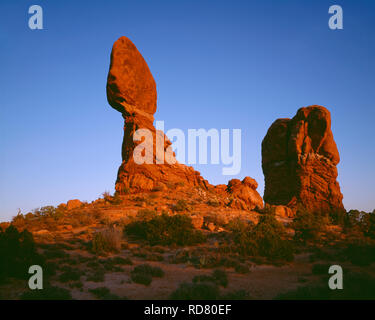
point(131, 90)
point(299, 158)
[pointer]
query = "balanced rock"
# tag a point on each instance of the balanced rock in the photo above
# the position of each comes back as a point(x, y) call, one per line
point(131, 90)
point(299, 159)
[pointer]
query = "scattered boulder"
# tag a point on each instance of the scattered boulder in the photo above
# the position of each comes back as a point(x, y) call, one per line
point(211, 226)
point(245, 194)
point(197, 221)
point(280, 210)
point(299, 159)
point(73, 204)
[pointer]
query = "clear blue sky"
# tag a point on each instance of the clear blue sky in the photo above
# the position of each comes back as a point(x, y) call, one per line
point(217, 64)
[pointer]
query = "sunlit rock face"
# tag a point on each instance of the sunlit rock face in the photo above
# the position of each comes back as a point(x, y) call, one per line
point(131, 90)
point(299, 159)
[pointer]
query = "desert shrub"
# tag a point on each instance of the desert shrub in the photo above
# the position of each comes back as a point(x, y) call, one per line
point(307, 225)
point(181, 205)
point(146, 268)
point(93, 264)
point(51, 218)
point(356, 287)
point(338, 217)
point(236, 295)
point(360, 254)
point(266, 239)
point(144, 273)
point(108, 240)
point(154, 257)
point(196, 291)
point(103, 293)
point(320, 268)
point(122, 261)
point(97, 276)
point(76, 284)
point(353, 219)
point(146, 214)
point(203, 278)
point(322, 254)
point(115, 199)
point(221, 277)
point(141, 278)
point(241, 268)
point(55, 253)
point(48, 293)
point(205, 260)
point(218, 277)
point(18, 253)
point(70, 274)
point(106, 195)
point(369, 222)
point(166, 230)
point(110, 265)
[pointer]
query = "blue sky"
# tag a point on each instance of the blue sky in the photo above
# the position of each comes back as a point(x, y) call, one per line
point(217, 64)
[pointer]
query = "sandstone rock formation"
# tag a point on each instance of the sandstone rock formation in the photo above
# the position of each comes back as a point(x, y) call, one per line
point(299, 158)
point(245, 194)
point(73, 204)
point(131, 90)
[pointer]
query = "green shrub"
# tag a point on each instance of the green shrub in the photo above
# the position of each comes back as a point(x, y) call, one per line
point(103, 293)
point(122, 261)
point(144, 273)
point(218, 277)
point(70, 274)
point(166, 230)
point(147, 269)
point(266, 239)
point(196, 291)
point(48, 293)
point(356, 287)
point(236, 295)
point(370, 225)
point(203, 278)
point(108, 240)
point(18, 253)
point(181, 205)
point(97, 276)
point(360, 254)
point(55, 254)
point(320, 268)
point(338, 217)
point(308, 225)
point(221, 277)
point(141, 278)
point(241, 268)
point(146, 214)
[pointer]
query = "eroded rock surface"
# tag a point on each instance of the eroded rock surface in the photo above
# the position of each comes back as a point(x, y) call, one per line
point(131, 90)
point(245, 194)
point(299, 159)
